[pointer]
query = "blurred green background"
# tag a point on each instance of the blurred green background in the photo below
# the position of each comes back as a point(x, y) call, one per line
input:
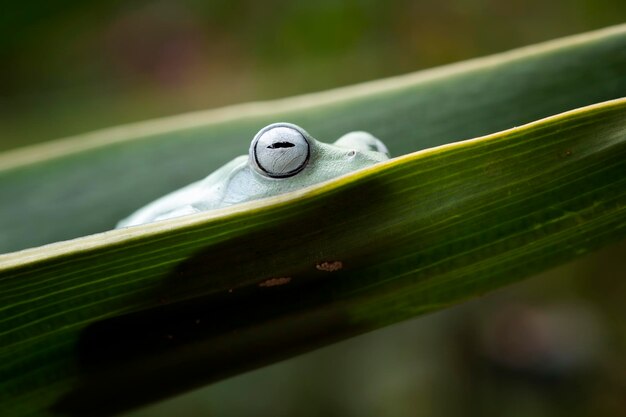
point(71, 66)
point(553, 345)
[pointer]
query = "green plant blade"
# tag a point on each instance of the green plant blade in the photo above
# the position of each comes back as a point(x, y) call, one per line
point(110, 321)
point(85, 185)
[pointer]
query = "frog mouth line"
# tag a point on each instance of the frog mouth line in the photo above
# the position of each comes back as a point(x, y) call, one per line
point(277, 145)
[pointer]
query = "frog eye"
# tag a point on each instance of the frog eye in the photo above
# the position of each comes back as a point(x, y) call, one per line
point(280, 150)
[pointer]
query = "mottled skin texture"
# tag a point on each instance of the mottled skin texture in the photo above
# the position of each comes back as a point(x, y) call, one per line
point(282, 158)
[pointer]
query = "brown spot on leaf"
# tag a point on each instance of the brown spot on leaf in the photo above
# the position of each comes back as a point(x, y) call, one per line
point(273, 282)
point(329, 266)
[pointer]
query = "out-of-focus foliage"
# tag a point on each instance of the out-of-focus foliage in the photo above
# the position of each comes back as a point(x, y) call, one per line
point(72, 66)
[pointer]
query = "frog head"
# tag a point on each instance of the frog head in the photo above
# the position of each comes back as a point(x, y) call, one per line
point(284, 150)
point(282, 157)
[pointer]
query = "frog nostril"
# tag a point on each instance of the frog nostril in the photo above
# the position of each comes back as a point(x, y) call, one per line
point(277, 145)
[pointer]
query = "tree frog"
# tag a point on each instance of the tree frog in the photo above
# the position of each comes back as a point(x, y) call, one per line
point(282, 157)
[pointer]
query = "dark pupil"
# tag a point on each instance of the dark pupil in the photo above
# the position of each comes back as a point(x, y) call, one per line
point(277, 145)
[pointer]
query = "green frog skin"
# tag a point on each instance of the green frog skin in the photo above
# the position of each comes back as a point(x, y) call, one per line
point(282, 157)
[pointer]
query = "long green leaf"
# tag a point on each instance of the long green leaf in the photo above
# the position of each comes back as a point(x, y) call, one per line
point(85, 185)
point(99, 324)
